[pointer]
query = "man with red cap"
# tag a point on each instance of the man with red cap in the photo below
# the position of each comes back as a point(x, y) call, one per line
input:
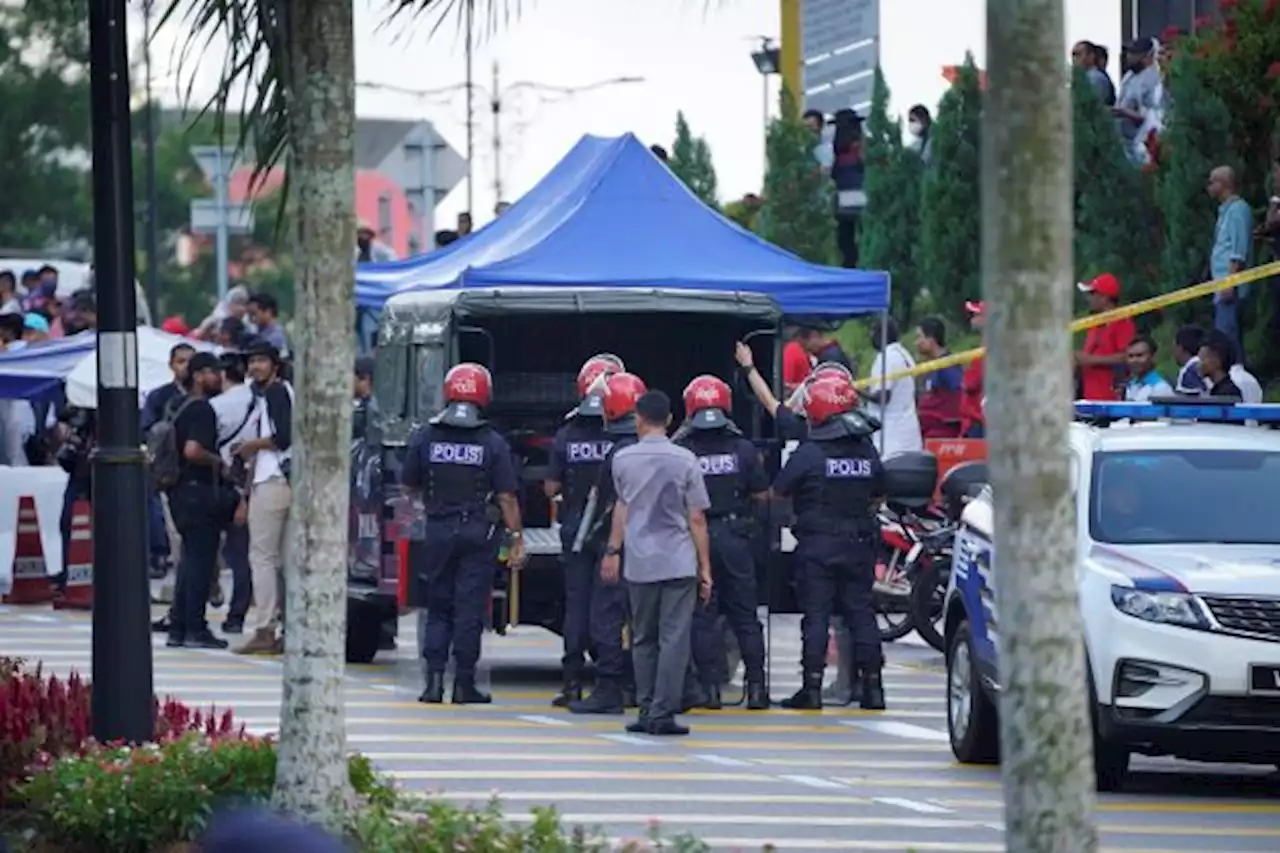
point(461, 466)
point(973, 423)
point(1102, 361)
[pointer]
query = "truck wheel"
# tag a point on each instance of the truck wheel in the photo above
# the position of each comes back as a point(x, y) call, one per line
point(971, 715)
point(364, 636)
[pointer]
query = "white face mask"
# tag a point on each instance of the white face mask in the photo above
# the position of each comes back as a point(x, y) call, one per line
point(916, 128)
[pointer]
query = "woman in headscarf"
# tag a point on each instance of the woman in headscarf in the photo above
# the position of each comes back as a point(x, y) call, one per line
point(234, 304)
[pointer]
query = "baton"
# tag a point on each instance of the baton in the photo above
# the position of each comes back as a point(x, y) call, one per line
point(584, 524)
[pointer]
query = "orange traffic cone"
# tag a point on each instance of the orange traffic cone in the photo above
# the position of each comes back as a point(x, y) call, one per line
point(79, 559)
point(30, 579)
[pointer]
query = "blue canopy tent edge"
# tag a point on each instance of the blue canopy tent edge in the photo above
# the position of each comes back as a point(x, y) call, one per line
point(611, 215)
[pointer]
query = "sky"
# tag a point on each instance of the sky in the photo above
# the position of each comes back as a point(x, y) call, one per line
point(692, 55)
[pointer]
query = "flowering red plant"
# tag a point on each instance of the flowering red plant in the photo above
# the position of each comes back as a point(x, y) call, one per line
point(43, 718)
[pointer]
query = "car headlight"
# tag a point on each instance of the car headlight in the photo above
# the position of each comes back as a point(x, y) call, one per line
point(1168, 608)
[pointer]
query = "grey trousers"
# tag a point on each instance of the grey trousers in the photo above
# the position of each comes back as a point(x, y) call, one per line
point(661, 626)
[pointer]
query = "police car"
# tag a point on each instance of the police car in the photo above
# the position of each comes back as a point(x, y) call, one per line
point(1178, 543)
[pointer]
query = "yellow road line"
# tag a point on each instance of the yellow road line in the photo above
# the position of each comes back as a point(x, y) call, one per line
point(576, 757)
point(437, 719)
point(690, 743)
point(1189, 807)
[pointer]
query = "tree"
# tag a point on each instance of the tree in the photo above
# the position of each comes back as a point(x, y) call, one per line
point(1115, 224)
point(297, 57)
point(691, 162)
point(798, 210)
point(44, 124)
point(890, 228)
point(1196, 138)
point(952, 196)
point(1045, 731)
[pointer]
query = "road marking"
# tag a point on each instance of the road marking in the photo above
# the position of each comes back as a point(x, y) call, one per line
point(546, 721)
point(431, 720)
point(629, 739)
point(724, 760)
point(914, 805)
point(590, 796)
point(505, 775)
point(815, 782)
point(523, 757)
point(632, 818)
point(534, 736)
point(896, 729)
point(35, 617)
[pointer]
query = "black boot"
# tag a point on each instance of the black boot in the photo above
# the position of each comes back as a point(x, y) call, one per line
point(871, 689)
point(712, 702)
point(606, 698)
point(465, 691)
point(808, 697)
point(757, 695)
point(570, 693)
point(433, 694)
point(629, 699)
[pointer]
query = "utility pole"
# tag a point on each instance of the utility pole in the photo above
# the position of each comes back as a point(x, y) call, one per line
point(149, 128)
point(122, 677)
point(496, 103)
point(1045, 731)
point(220, 179)
point(471, 108)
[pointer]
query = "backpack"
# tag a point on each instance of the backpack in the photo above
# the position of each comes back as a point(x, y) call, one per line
point(164, 457)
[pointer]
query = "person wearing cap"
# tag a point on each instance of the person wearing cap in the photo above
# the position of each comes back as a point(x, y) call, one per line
point(1140, 93)
point(973, 420)
point(660, 518)
point(577, 455)
point(735, 482)
point(267, 454)
point(1103, 360)
point(35, 328)
point(197, 504)
point(369, 249)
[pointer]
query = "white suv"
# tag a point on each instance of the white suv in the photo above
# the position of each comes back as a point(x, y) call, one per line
point(1178, 546)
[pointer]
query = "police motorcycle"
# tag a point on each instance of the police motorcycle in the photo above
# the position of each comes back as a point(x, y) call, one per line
point(927, 565)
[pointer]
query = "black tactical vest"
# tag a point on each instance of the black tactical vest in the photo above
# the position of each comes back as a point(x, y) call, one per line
point(847, 481)
point(586, 445)
point(456, 466)
point(717, 453)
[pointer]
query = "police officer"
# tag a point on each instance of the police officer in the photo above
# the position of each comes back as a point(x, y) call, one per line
point(835, 480)
point(788, 417)
point(578, 454)
point(734, 476)
point(460, 463)
point(614, 683)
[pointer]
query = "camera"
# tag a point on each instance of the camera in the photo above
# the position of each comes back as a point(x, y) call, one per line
point(73, 455)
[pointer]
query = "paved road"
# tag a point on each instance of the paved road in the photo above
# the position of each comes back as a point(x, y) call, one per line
point(835, 780)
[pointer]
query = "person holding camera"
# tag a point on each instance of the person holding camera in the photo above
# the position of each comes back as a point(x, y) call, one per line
point(76, 429)
point(201, 501)
point(235, 408)
point(267, 460)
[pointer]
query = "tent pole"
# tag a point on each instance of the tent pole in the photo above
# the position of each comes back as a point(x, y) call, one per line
point(884, 358)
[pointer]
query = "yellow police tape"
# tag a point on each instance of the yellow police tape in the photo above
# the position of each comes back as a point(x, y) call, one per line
point(1146, 306)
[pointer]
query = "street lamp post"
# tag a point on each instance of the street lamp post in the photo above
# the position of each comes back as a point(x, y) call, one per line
point(768, 60)
point(122, 676)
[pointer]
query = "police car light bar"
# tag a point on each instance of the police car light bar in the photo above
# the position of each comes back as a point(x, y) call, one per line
point(1212, 409)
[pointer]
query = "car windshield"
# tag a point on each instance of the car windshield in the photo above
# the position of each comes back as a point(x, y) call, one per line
point(1191, 496)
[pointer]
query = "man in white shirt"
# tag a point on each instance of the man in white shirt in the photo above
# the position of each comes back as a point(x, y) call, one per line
point(1250, 387)
point(896, 409)
point(268, 458)
point(235, 408)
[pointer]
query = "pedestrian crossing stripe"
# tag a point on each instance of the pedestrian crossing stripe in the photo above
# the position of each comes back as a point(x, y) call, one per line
point(614, 725)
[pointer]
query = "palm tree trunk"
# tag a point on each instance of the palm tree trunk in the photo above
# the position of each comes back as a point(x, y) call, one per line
point(1027, 264)
point(311, 775)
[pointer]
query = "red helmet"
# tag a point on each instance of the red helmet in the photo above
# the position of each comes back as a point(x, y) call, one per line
point(602, 364)
point(468, 383)
point(830, 368)
point(707, 392)
point(828, 397)
point(621, 391)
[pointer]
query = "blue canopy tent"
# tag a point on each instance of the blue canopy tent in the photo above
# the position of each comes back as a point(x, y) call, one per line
point(39, 370)
point(611, 215)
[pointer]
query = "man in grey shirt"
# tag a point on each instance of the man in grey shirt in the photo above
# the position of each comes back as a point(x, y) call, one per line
point(660, 515)
point(1140, 93)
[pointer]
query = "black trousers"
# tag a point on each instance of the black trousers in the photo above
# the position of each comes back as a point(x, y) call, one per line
point(847, 240)
point(194, 510)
